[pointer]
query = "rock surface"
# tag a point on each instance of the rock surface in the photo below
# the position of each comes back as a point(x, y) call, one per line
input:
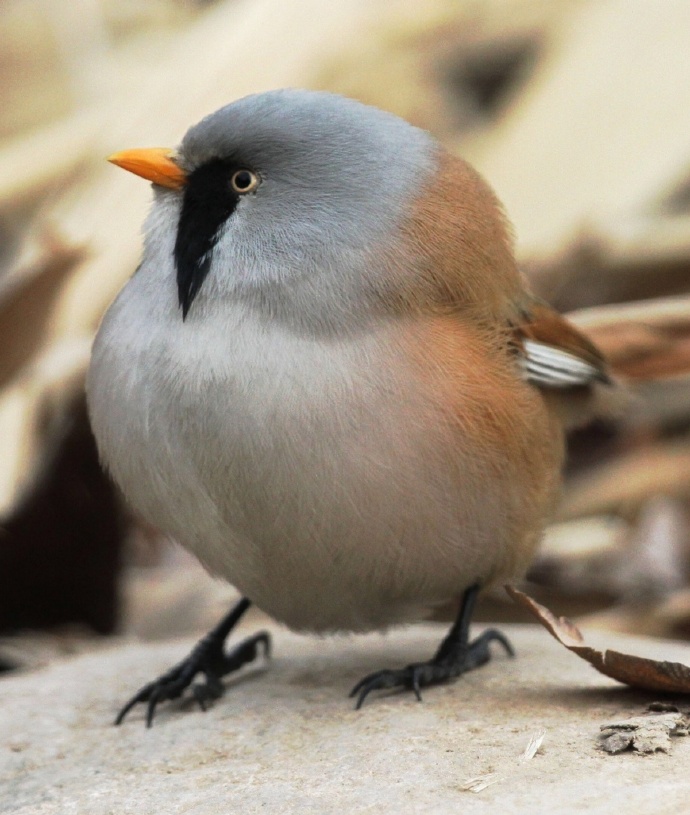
point(287, 740)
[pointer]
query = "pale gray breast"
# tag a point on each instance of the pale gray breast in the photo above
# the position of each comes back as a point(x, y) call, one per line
point(303, 471)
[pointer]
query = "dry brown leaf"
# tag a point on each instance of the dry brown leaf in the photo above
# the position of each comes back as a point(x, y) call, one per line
point(638, 672)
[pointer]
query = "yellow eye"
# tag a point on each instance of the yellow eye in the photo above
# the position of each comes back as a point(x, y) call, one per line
point(244, 181)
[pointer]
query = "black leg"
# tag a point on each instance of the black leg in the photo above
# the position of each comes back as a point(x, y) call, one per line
point(455, 656)
point(208, 658)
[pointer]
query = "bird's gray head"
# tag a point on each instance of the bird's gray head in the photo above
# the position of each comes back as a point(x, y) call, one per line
point(288, 189)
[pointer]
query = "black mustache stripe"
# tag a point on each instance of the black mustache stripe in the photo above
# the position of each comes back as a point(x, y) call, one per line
point(208, 202)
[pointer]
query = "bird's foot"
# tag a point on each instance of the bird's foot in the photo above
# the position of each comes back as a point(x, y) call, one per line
point(208, 658)
point(444, 666)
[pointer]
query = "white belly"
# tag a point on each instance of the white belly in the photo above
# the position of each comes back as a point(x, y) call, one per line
point(300, 469)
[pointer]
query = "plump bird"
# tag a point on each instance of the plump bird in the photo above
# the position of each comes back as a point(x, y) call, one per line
point(328, 380)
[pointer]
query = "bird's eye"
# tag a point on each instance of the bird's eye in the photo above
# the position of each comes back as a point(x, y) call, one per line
point(244, 181)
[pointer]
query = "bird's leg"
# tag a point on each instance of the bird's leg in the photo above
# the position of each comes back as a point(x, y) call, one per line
point(209, 658)
point(455, 656)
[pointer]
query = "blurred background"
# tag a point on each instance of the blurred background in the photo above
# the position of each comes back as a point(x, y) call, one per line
point(576, 111)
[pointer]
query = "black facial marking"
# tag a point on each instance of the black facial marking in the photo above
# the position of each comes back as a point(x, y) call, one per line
point(208, 202)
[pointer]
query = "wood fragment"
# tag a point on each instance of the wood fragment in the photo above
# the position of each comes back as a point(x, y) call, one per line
point(643, 734)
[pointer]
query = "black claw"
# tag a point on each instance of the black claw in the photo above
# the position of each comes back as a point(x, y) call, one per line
point(493, 635)
point(382, 680)
point(363, 695)
point(208, 691)
point(151, 709)
point(125, 710)
point(456, 655)
point(208, 658)
point(364, 688)
point(408, 677)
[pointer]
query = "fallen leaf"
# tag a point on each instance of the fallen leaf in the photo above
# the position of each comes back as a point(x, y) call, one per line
point(636, 671)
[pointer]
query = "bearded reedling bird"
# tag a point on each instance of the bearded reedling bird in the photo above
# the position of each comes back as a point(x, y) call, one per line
point(328, 380)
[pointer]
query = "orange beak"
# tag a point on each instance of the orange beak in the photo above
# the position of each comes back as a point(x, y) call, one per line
point(152, 163)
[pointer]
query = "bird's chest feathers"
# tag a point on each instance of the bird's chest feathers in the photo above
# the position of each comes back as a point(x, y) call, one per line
point(248, 422)
point(269, 454)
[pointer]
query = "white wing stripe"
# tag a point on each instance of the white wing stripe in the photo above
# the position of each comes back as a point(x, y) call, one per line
point(555, 368)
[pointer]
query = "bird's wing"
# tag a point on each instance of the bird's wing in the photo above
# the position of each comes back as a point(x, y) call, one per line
point(553, 353)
